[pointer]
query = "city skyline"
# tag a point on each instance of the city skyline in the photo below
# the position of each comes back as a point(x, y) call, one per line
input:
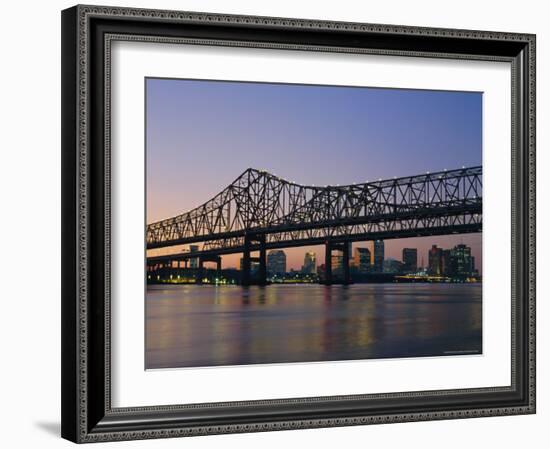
point(392, 250)
point(422, 260)
point(453, 265)
point(202, 134)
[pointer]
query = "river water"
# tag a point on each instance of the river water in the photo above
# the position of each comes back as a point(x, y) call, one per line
point(191, 325)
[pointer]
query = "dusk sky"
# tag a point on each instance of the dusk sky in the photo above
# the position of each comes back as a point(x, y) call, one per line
point(201, 135)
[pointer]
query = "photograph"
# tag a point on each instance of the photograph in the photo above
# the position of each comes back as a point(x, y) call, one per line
point(299, 223)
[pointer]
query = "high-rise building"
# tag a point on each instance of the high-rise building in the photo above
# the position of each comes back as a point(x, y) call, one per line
point(435, 256)
point(310, 264)
point(378, 256)
point(410, 260)
point(194, 262)
point(276, 262)
point(447, 263)
point(462, 260)
point(361, 260)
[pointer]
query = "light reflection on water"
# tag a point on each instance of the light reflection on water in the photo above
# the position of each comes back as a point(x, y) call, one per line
point(189, 325)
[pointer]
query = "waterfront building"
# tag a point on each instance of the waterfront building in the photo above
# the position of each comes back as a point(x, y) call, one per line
point(463, 262)
point(447, 263)
point(410, 260)
point(276, 262)
point(310, 263)
point(378, 256)
point(435, 259)
point(361, 260)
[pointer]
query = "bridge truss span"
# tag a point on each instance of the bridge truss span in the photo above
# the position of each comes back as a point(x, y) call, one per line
point(285, 213)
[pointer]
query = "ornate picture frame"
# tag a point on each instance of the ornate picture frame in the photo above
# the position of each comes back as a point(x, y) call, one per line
point(87, 412)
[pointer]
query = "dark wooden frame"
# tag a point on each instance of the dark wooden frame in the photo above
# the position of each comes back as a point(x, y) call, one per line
point(87, 414)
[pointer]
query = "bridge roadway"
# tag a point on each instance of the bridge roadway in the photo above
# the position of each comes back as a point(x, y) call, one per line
point(331, 244)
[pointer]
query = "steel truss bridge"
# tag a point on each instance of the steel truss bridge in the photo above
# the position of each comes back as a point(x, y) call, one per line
point(261, 211)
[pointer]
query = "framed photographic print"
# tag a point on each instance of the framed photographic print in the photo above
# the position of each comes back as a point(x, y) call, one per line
point(275, 224)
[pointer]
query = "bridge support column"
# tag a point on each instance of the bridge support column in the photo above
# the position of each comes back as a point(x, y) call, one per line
point(200, 272)
point(344, 248)
point(219, 265)
point(345, 263)
point(262, 269)
point(328, 263)
point(245, 269)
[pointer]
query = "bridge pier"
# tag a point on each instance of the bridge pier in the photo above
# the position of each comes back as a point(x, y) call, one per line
point(345, 263)
point(344, 247)
point(262, 269)
point(200, 272)
point(245, 269)
point(246, 272)
point(328, 263)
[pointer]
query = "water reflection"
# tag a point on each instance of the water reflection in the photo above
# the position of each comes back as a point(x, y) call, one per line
point(190, 325)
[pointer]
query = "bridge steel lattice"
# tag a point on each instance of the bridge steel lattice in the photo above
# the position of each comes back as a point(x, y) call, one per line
point(261, 211)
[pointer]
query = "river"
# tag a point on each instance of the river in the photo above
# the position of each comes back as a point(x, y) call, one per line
point(192, 326)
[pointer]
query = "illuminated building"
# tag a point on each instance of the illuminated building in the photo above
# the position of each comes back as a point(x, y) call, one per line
point(463, 262)
point(435, 259)
point(361, 259)
point(378, 257)
point(310, 263)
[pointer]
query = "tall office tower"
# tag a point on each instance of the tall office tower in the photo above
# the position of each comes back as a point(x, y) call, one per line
point(378, 259)
point(310, 263)
point(410, 260)
point(276, 262)
point(447, 262)
point(435, 258)
point(463, 260)
point(361, 259)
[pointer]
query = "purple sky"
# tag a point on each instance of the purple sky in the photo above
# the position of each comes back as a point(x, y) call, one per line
point(202, 134)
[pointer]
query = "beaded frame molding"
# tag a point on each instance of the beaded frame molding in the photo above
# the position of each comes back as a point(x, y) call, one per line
point(87, 34)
